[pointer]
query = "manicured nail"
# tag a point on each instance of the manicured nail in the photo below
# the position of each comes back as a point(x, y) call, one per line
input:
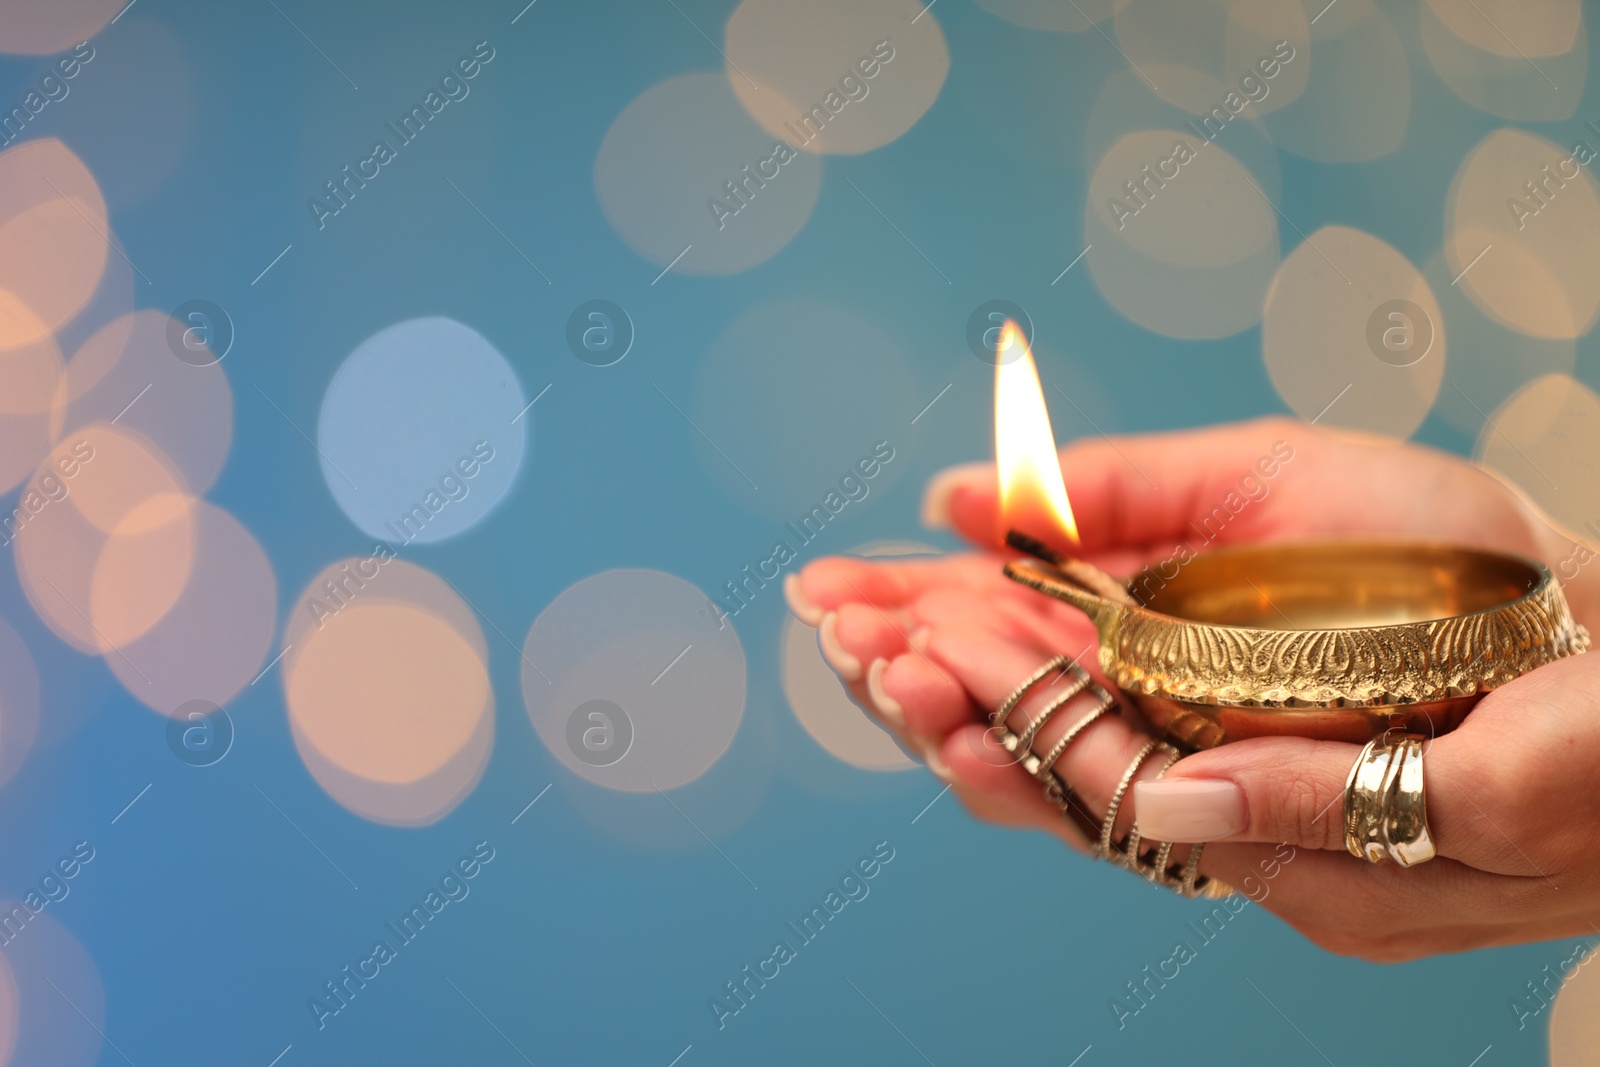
point(803, 609)
point(1189, 809)
point(918, 639)
point(942, 490)
point(848, 666)
point(887, 705)
point(936, 763)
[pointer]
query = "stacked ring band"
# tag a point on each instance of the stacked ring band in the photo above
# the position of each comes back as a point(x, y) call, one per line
point(1187, 881)
point(1385, 809)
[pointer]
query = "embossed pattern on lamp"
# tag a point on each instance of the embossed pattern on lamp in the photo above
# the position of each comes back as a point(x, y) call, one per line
point(1339, 640)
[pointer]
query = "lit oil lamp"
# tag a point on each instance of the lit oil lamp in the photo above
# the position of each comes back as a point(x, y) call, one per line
point(1339, 640)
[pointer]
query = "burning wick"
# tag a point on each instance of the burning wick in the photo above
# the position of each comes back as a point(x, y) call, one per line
point(1033, 496)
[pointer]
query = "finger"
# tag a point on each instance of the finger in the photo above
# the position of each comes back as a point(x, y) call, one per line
point(1019, 614)
point(996, 793)
point(918, 703)
point(914, 694)
point(1292, 789)
point(826, 584)
point(1260, 789)
point(1139, 491)
point(857, 634)
point(990, 667)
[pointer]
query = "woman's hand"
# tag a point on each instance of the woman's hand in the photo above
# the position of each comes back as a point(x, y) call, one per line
point(932, 646)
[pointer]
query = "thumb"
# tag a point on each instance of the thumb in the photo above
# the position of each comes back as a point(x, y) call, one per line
point(1277, 789)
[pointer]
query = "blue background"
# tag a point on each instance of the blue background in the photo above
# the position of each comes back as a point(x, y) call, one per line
point(211, 920)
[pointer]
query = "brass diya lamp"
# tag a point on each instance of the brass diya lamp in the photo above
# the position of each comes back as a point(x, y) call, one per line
point(1336, 640)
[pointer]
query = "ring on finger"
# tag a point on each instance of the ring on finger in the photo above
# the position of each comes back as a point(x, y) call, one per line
point(1385, 804)
point(1189, 881)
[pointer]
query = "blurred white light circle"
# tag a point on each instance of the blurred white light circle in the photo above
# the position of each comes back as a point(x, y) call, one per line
point(1181, 238)
point(691, 181)
point(1541, 83)
point(416, 433)
point(1522, 220)
point(1357, 102)
point(1489, 361)
point(1352, 335)
point(1544, 440)
point(1052, 14)
point(1222, 58)
point(841, 76)
point(633, 680)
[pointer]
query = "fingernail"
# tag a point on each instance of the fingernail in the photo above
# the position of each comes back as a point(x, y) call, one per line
point(848, 666)
point(887, 705)
point(942, 489)
point(803, 609)
point(918, 639)
point(1189, 809)
point(936, 763)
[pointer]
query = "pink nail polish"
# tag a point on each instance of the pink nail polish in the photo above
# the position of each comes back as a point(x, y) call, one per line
point(1189, 809)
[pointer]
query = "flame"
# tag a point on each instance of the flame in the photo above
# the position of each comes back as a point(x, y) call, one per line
point(1033, 497)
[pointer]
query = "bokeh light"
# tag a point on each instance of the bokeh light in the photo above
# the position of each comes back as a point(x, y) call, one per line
point(386, 680)
point(1357, 103)
point(1520, 230)
point(42, 27)
point(54, 237)
point(1488, 360)
point(142, 569)
point(127, 373)
point(30, 374)
point(1184, 241)
point(693, 183)
point(422, 431)
point(10, 1012)
point(1538, 76)
point(633, 680)
point(59, 1003)
point(836, 76)
point(112, 300)
point(83, 493)
point(1575, 1012)
point(135, 138)
point(1352, 335)
point(19, 710)
point(842, 381)
point(1218, 58)
point(1051, 14)
point(1544, 440)
point(214, 639)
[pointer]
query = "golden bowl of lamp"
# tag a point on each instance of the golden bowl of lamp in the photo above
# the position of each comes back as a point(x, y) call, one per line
point(1336, 640)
